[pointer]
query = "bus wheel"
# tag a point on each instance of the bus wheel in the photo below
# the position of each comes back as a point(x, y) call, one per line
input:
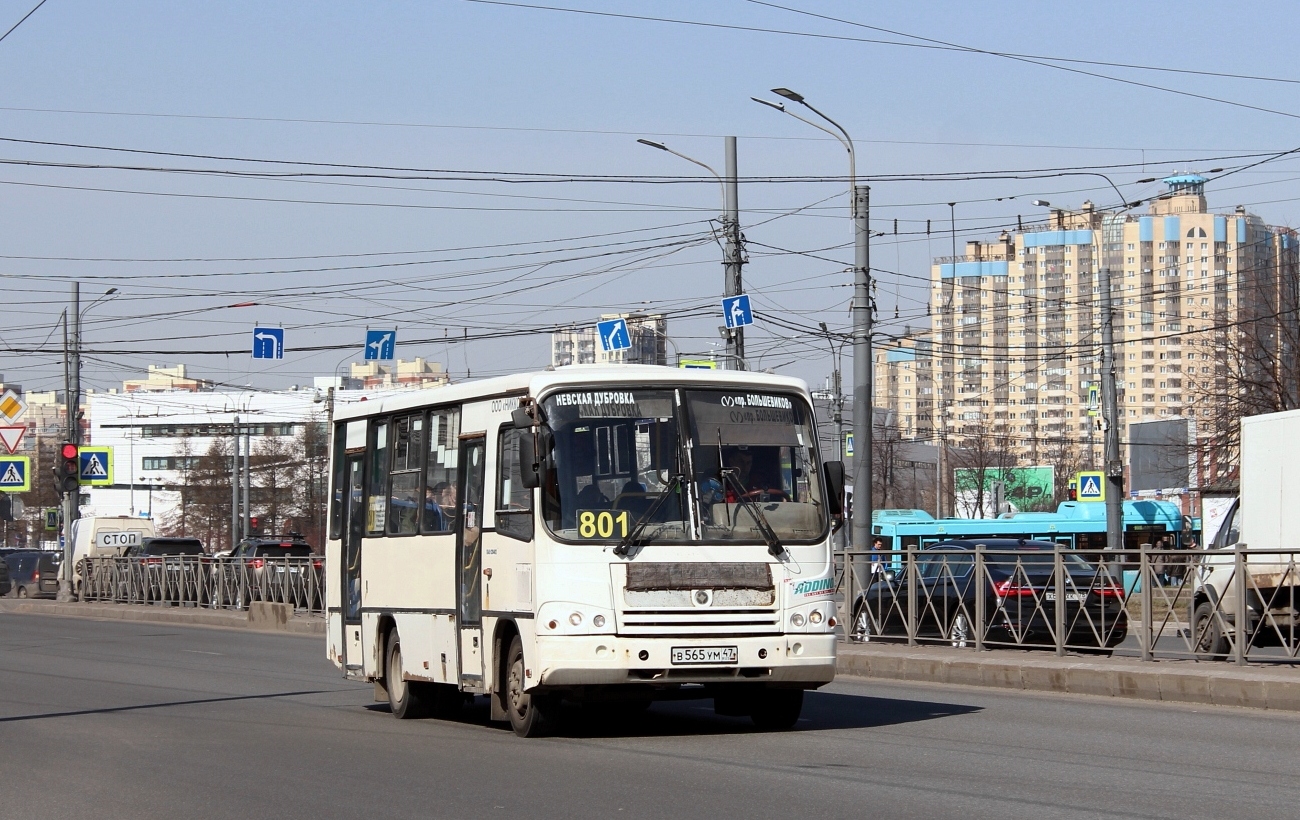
point(403, 696)
point(776, 710)
point(531, 714)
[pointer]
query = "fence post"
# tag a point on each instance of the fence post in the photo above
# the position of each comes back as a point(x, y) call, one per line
point(981, 590)
point(1240, 629)
point(849, 596)
point(911, 596)
point(1145, 578)
point(1058, 579)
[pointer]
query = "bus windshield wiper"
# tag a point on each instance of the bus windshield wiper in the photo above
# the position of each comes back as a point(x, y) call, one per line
point(634, 537)
point(774, 545)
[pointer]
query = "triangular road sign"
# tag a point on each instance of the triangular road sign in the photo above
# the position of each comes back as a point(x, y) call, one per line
point(11, 437)
point(1090, 487)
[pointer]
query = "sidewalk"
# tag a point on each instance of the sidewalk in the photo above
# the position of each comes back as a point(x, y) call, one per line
point(261, 616)
point(1215, 683)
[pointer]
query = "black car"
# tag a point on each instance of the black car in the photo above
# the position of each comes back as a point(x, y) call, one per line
point(31, 574)
point(5, 585)
point(270, 568)
point(1020, 598)
point(167, 568)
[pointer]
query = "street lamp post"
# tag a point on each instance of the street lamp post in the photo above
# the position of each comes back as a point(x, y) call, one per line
point(732, 258)
point(862, 320)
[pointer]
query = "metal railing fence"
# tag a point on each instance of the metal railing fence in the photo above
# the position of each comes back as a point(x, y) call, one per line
point(192, 580)
point(1145, 603)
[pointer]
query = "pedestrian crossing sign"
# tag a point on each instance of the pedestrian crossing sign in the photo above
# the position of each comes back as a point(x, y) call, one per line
point(96, 466)
point(1092, 486)
point(15, 474)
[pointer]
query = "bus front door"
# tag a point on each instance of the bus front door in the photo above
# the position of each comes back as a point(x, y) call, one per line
point(354, 528)
point(469, 549)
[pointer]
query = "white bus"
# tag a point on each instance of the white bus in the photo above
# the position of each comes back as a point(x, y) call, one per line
point(602, 535)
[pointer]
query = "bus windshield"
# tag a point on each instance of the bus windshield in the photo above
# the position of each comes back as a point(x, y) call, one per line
point(616, 453)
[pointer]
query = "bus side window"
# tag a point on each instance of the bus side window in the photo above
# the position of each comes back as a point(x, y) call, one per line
point(405, 495)
point(440, 507)
point(514, 501)
point(338, 481)
point(377, 486)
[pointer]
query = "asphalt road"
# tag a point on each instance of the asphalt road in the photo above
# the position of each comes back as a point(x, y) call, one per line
point(119, 719)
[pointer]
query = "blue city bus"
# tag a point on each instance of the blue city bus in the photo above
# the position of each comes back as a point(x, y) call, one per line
point(1077, 524)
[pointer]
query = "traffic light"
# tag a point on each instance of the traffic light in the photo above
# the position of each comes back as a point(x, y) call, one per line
point(6, 507)
point(68, 470)
point(254, 525)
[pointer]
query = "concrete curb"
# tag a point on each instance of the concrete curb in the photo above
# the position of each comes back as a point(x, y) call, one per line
point(1216, 684)
point(261, 617)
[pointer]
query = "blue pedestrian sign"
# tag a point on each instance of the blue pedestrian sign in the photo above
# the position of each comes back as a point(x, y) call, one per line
point(380, 345)
point(96, 465)
point(268, 343)
point(15, 474)
point(1092, 486)
point(736, 312)
point(613, 335)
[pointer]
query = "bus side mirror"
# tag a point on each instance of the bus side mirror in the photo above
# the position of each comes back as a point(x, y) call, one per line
point(534, 450)
point(520, 419)
point(834, 471)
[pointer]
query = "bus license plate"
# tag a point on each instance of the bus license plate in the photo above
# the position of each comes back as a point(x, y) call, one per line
point(703, 654)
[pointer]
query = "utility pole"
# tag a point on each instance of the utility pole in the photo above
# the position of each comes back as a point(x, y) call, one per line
point(248, 480)
point(1110, 401)
point(862, 367)
point(234, 485)
point(734, 258)
point(71, 393)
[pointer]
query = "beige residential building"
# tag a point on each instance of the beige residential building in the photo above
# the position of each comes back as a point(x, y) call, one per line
point(1014, 351)
point(579, 345)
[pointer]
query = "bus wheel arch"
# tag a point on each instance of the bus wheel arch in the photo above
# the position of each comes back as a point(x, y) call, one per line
point(385, 627)
point(502, 636)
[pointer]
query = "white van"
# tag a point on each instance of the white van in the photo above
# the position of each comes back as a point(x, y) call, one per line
point(102, 535)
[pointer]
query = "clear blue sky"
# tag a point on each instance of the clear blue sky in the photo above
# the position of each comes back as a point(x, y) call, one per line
point(473, 87)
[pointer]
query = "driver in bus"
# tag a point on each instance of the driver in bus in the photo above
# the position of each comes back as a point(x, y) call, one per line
point(757, 480)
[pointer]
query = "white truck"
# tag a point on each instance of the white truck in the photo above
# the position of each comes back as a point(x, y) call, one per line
point(101, 535)
point(1261, 518)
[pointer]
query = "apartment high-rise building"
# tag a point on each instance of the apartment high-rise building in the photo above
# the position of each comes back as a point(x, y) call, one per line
point(579, 345)
point(1205, 306)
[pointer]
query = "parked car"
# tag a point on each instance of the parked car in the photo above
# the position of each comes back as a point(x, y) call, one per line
point(1020, 598)
point(169, 569)
point(32, 574)
point(269, 568)
point(5, 585)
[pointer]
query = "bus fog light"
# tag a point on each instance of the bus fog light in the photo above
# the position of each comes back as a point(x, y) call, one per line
point(797, 619)
point(762, 654)
point(815, 616)
point(643, 655)
point(598, 621)
point(797, 649)
point(576, 619)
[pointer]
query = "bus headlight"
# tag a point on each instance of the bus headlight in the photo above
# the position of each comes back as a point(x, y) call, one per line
point(797, 619)
point(576, 619)
point(815, 617)
point(598, 621)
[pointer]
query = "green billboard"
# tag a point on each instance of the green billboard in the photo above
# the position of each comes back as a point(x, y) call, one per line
point(1025, 488)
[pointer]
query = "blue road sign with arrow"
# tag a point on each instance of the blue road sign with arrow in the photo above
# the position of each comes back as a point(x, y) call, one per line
point(268, 343)
point(736, 312)
point(613, 335)
point(380, 345)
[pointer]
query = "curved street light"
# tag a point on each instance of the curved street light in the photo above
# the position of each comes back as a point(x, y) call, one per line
point(863, 417)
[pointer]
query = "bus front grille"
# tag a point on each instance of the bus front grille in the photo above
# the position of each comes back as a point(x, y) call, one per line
point(698, 622)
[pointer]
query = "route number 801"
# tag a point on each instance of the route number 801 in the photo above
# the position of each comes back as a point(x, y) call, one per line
point(602, 523)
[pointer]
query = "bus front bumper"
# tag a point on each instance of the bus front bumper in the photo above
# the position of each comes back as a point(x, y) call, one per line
point(577, 660)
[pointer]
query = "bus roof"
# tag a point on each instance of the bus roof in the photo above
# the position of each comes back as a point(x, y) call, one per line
point(537, 382)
